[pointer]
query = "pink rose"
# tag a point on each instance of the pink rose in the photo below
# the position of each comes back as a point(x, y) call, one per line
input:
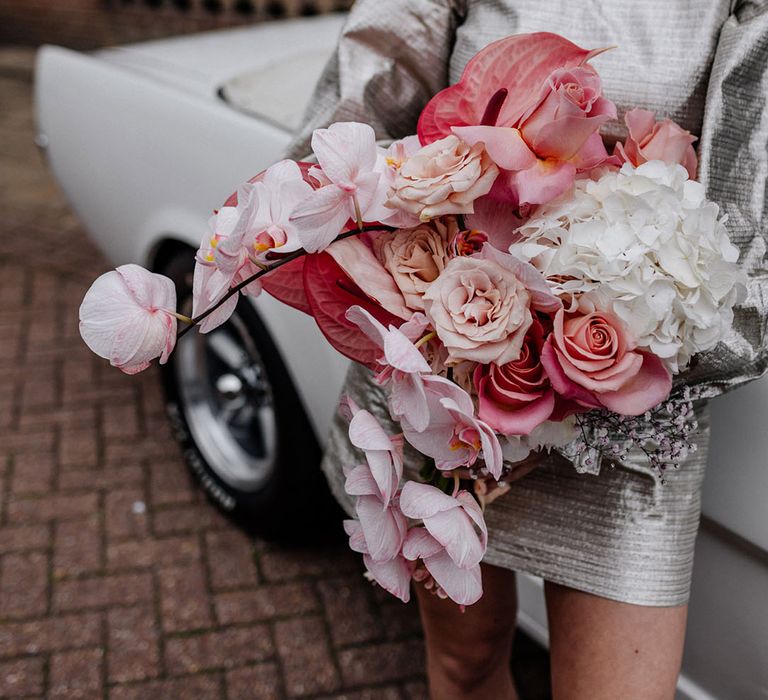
point(652, 140)
point(556, 137)
point(415, 257)
point(479, 310)
point(445, 177)
point(591, 359)
point(516, 397)
point(570, 110)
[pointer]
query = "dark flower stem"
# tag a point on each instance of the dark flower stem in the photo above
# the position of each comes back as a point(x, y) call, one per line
point(283, 261)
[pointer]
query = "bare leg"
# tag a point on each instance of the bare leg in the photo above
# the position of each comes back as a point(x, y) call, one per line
point(603, 650)
point(468, 654)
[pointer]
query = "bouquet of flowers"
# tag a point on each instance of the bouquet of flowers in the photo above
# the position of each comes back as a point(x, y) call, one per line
point(514, 286)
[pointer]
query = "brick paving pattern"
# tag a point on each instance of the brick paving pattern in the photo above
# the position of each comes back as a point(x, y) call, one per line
point(117, 578)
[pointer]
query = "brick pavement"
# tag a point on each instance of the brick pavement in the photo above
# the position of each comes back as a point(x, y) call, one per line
point(117, 578)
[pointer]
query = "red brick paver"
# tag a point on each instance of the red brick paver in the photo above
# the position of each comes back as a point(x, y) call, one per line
point(118, 580)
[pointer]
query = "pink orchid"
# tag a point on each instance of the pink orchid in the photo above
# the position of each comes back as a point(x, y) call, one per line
point(383, 524)
point(537, 107)
point(128, 317)
point(462, 586)
point(384, 454)
point(272, 197)
point(352, 188)
point(379, 532)
point(393, 575)
point(403, 365)
point(535, 283)
point(454, 438)
point(497, 220)
point(249, 229)
point(453, 541)
point(208, 288)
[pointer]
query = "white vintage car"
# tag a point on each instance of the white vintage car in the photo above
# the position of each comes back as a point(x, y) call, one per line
point(147, 140)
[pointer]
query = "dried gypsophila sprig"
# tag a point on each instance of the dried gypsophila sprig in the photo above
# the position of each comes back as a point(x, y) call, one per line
point(664, 434)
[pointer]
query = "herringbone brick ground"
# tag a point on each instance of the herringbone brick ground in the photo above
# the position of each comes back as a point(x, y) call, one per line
point(117, 578)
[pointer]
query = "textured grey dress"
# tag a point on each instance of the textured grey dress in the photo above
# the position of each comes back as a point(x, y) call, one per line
point(620, 534)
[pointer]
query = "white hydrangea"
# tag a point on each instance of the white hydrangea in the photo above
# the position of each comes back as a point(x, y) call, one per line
point(646, 244)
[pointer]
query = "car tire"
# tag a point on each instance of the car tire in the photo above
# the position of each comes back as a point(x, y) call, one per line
point(242, 427)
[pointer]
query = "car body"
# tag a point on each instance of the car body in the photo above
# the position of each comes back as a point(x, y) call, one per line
point(145, 145)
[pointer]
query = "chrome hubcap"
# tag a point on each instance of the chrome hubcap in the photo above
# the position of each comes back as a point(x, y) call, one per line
point(228, 403)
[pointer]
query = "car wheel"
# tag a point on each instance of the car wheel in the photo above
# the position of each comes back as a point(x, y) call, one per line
point(241, 424)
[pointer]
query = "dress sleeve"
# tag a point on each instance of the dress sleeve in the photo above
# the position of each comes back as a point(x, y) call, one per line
point(733, 166)
point(392, 57)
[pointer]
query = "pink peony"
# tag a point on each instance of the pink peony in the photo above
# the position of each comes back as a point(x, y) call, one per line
point(591, 359)
point(480, 311)
point(516, 397)
point(652, 140)
point(128, 317)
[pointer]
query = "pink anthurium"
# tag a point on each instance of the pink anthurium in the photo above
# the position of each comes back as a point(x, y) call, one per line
point(286, 284)
point(535, 105)
point(329, 294)
point(355, 257)
point(353, 188)
point(128, 317)
point(517, 64)
point(454, 437)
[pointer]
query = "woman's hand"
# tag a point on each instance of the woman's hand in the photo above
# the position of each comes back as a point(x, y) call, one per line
point(487, 489)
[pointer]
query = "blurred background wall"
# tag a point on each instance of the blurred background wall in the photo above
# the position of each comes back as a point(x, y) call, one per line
point(85, 24)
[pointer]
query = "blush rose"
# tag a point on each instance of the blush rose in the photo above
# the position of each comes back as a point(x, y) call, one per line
point(592, 360)
point(415, 257)
point(479, 310)
point(445, 177)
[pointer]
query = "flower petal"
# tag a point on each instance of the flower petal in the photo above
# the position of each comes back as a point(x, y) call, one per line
point(463, 586)
point(419, 501)
point(394, 576)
